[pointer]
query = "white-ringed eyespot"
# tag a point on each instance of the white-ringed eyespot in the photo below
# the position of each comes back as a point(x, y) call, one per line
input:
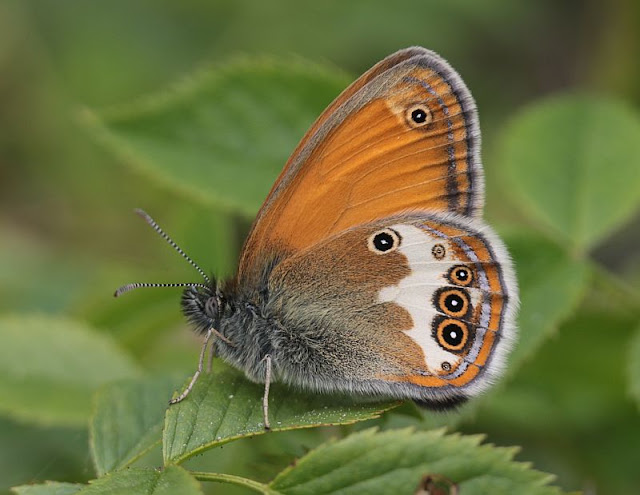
point(384, 241)
point(418, 115)
point(452, 335)
point(460, 275)
point(452, 301)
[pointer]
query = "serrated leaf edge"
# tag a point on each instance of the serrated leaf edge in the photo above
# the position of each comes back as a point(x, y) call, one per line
point(507, 453)
point(182, 458)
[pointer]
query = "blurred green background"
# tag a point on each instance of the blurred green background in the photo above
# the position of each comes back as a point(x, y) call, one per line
point(76, 157)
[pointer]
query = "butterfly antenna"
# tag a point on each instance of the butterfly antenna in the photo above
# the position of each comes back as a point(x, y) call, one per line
point(162, 233)
point(129, 287)
point(137, 285)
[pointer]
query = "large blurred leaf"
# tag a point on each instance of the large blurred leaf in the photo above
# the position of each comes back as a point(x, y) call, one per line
point(551, 286)
point(31, 453)
point(127, 421)
point(576, 380)
point(395, 461)
point(224, 406)
point(49, 367)
point(35, 276)
point(572, 163)
point(224, 136)
point(570, 398)
point(634, 367)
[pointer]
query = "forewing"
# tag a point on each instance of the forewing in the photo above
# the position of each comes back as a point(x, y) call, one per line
point(402, 137)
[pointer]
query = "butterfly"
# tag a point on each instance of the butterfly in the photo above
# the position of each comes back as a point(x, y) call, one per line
point(368, 269)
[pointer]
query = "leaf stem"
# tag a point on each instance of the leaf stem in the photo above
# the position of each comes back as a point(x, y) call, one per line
point(234, 480)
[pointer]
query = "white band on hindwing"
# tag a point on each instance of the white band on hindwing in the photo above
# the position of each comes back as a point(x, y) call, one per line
point(415, 293)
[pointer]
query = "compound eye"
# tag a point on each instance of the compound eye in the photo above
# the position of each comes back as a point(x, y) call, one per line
point(384, 241)
point(452, 334)
point(211, 307)
point(461, 275)
point(419, 115)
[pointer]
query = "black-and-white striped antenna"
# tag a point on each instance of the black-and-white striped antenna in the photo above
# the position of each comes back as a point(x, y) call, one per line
point(129, 287)
point(163, 234)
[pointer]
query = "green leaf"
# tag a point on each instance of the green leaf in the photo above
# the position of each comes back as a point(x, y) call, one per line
point(571, 397)
point(572, 163)
point(25, 263)
point(33, 454)
point(223, 136)
point(225, 406)
point(552, 284)
point(50, 366)
point(575, 384)
point(395, 461)
point(48, 488)
point(170, 481)
point(634, 367)
point(127, 421)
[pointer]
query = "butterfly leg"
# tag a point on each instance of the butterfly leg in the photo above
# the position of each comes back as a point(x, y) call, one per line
point(212, 353)
point(184, 394)
point(265, 397)
point(212, 349)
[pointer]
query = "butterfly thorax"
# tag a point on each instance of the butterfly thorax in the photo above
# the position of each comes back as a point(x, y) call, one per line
point(247, 327)
point(240, 319)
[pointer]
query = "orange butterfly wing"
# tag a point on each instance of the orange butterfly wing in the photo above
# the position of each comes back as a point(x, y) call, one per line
point(402, 137)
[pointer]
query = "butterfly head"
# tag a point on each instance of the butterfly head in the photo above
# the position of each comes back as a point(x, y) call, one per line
point(203, 306)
